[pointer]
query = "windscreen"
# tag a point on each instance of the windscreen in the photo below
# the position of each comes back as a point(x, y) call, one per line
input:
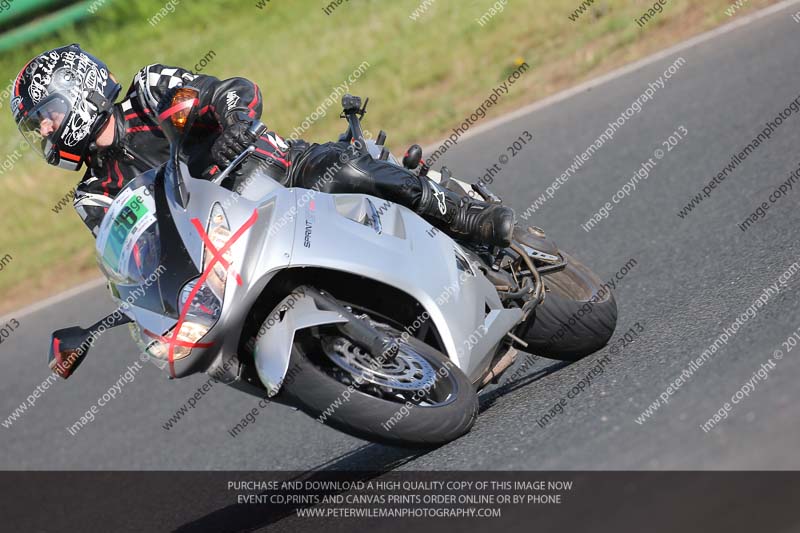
point(139, 249)
point(128, 241)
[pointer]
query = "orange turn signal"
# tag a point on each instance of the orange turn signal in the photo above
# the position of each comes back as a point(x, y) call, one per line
point(182, 103)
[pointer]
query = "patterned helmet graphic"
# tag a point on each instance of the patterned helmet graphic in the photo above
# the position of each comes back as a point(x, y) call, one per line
point(61, 101)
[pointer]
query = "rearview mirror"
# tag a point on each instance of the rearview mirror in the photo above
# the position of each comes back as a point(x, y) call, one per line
point(68, 347)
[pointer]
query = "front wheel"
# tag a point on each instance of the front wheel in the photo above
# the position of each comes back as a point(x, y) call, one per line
point(419, 398)
point(577, 317)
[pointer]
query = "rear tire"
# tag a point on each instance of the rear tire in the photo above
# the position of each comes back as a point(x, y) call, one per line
point(311, 387)
point(567, 326)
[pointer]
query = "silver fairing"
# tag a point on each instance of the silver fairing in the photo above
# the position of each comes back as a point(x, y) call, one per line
point(340, 232)
point(353, 233)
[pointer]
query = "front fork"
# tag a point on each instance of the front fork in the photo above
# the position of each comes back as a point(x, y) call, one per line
point(306, 307)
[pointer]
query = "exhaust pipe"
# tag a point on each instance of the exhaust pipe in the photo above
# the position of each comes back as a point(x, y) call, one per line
point(501, 366)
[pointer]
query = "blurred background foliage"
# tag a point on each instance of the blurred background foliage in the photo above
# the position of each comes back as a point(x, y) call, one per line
point(424, 76)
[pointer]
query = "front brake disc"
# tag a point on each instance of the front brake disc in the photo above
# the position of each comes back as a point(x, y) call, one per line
point(407, 371)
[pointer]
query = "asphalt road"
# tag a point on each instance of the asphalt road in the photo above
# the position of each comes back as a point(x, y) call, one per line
point(693, 277)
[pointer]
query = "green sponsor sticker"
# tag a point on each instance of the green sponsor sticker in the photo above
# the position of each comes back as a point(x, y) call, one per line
point(122, 226)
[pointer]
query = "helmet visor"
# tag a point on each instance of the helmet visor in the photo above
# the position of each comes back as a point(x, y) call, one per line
point(43, 123)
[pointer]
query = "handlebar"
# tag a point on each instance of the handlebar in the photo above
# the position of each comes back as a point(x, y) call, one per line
point(256, 129)
point(353, 112)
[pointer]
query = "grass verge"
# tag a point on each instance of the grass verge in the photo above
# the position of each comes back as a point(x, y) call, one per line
point(423, 76)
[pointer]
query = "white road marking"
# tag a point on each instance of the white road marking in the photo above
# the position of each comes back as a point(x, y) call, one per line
point(508, 117)
point(58, 298)
point(622, 71)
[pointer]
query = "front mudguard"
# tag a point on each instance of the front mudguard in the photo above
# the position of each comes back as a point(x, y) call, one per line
point(275, 337)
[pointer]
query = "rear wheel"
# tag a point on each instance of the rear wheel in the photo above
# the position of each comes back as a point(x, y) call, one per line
point(418, 398)
point(569, 325)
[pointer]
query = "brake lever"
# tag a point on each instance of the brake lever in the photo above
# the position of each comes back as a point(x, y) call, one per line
point(256, 129)
point(235, 163)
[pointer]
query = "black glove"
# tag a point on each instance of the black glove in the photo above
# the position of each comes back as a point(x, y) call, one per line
point(234, 139)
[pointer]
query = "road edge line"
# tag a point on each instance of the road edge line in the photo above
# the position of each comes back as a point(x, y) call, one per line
point(52, 300)
point(507, 117)
point(623, 70)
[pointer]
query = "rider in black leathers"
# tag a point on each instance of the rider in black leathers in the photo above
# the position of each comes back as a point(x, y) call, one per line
point(63, 103)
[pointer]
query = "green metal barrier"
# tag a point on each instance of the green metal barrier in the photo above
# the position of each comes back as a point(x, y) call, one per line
point(43, 25)
point(19, 8)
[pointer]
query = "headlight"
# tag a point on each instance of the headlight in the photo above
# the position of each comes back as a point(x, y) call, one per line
point(201, 316)
point(191, 332)
point(205, 307)
point(219, 233)
point(206, 304)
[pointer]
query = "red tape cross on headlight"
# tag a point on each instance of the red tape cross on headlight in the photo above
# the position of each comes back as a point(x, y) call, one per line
point(173, 338)
point(210, 248)
point(182, 344)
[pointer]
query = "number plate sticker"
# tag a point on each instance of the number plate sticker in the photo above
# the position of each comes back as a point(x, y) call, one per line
point(131, 214)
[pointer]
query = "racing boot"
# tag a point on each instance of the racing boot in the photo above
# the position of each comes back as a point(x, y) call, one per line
point(334, 168)
point(466, 217)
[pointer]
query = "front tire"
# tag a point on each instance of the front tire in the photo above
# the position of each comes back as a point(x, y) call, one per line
point(357, 410)
point(568, 326)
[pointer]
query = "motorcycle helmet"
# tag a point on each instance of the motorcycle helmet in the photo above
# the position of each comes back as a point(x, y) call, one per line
point(62, 99)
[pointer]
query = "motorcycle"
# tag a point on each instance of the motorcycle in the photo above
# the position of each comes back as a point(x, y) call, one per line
point(348, 307)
